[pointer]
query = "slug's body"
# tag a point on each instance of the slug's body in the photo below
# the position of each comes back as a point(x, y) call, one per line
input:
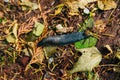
point(60, 40)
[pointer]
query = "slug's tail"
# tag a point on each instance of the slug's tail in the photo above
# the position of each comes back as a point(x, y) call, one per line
point(61, 40)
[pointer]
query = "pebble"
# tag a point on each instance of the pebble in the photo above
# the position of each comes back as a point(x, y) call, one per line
point(6, 0)
point(86, 11)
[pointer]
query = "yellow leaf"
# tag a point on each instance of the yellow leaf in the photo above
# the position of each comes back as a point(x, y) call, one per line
point(38, 28)
point(74, 5)
point(106, 4)
point(25, 4)
point(15, 29)
point(10, 38)
point(90, 58)
point(58, 11)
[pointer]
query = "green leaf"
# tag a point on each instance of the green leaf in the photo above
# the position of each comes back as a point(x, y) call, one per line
point(49, 50)
point(38, 29)
point(29, 38)
point(89, 59)
point(1, 20)
point(89, 23)
point(89, 42)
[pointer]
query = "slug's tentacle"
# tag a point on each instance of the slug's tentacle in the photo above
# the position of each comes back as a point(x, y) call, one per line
point(61, 40)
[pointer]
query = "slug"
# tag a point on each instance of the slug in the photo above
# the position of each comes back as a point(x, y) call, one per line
point(60, 40)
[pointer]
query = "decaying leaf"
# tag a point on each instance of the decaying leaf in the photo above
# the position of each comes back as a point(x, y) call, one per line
point(106, 4)
point(26, 4)
point(100, 26)
point(29, 38)
point(10, 38)
point(58, 9)
point(38, 28)
point(15, 29)
point(88, 23)
point(90, 59)
point(37, 57)
point(118, 54)
point(74, 5)
point(25, 28)
point(49, 51)
point(102, 4)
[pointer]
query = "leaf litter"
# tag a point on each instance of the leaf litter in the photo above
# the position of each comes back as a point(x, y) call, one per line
point(25, 23)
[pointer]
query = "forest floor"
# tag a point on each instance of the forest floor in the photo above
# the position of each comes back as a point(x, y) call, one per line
point(22, 59)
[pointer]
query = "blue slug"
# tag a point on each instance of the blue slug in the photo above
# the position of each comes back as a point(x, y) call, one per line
point(60, 40)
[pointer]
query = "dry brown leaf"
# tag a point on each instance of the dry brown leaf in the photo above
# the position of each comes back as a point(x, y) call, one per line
point(25, 27)
point(100, 26)
point(37, 57)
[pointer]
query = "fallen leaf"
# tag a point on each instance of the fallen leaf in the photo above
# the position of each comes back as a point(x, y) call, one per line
point(25, 27)
point(26, 4)
point(38, 28)
point(58, 9)
point(37, 57)
point(99, 26)
point(89, 42)
point(88, 23)
point(74, 5)
point(49, 51)
point(89, 59)
point(106, 4)
point(117, 55)
point(29, 38)
point(10, 38)
point(15, 29)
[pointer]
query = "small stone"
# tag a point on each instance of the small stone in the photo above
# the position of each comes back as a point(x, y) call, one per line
point(50, 60)
point(6, 0)
point(86, 11)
